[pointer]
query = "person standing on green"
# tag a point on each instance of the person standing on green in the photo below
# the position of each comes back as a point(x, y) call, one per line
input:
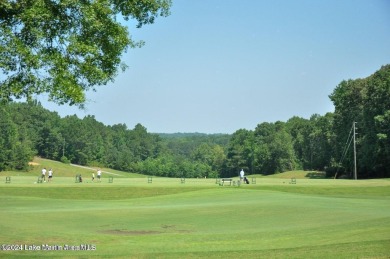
point(50, 175)
point(99, 174)
point(44, 174)
point(242, 174)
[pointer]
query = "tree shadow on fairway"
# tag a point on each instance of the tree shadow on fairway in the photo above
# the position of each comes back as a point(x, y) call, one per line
point(315, 175)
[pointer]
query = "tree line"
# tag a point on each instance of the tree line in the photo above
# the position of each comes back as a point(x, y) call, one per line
point(318, 143)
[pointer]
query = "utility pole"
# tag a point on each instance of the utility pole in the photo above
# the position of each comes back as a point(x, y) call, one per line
point(63, 149)
point(354, 150)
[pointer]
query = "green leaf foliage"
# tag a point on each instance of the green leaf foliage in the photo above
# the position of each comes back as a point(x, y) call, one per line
point(15, 146)
point(367, 102)
point(64, 48)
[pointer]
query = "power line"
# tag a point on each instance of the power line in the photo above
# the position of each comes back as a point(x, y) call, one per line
point(351, 137)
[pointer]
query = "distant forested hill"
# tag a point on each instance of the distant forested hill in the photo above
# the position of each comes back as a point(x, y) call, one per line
point(322, 142)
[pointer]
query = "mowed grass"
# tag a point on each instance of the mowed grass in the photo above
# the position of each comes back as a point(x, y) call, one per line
point(67, 170)
point(131, 218)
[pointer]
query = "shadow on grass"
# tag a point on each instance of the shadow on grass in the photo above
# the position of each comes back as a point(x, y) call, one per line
point(316, 175)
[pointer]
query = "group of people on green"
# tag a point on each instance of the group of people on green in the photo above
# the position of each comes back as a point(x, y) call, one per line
point(99, 175)
point(50, 174)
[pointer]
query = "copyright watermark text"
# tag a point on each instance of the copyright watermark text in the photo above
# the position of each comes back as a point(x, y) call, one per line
point(46, 247)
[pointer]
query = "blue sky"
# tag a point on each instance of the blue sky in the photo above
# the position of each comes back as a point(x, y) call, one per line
point(216, 66)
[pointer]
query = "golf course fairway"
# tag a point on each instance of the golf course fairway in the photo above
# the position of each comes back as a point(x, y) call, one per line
point(165, 218)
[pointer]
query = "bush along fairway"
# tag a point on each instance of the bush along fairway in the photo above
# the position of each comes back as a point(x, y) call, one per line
point(166, 218)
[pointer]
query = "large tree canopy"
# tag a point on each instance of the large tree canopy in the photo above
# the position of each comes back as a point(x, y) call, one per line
point(65, 47)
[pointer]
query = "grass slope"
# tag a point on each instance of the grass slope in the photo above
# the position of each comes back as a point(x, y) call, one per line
point(68, 170)
point(298, 174)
